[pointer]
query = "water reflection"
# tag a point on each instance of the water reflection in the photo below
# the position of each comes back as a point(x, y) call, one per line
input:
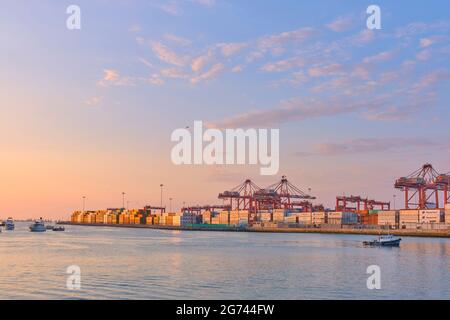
point(150, 264)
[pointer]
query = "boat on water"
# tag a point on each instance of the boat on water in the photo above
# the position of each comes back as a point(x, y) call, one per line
point(38, 226)
point(9, 224)
point(384, 241)
point(58, 228)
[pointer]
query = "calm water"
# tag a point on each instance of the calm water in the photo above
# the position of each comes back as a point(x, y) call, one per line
point(121, 263)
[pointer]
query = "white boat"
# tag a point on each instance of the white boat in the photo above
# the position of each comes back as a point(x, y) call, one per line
point(385, 241)
point(9, 224)
point(38, 226)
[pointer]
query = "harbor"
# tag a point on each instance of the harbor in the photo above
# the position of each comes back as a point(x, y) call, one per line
point(147, 263)
point(283, 207)
point(442, 233)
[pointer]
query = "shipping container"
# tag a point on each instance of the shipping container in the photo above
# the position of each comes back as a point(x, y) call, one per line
point(318, 218)
point(369, 219)
point(304, 217)
point(388, 218)
point(265, 217)
point(431, 216)
point(408, 217)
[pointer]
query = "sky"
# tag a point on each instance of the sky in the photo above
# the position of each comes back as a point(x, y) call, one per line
point(90, 112)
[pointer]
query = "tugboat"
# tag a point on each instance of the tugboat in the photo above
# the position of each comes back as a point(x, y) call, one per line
point(58, 228)
point(9, 225)
point(384, 241)
point(38, 226)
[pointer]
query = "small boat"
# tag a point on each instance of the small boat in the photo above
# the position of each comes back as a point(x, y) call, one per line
point(38, 226)
point(9, 224)
point(384, 241)
point(58, 228)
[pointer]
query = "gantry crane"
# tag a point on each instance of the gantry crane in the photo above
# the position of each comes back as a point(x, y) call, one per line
point(342, 204)
point(241, 197)
point(443, 183)
point(284, 195)
point(420, 187)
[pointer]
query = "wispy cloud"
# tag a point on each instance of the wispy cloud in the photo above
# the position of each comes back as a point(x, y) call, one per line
point(176, 39)
point(93, 101)
point(283, 65)
point(367, 145)
point(327, 70)
point(171, 7)
point(201, 61)
point(229, 49)
point(380, 57)
point(213, 72)
point(174, 73)
point(341, 24)
point(112, 77)
point(431, 40)
point(165, 54)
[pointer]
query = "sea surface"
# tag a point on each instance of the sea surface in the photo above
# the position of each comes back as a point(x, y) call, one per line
point(122, 263)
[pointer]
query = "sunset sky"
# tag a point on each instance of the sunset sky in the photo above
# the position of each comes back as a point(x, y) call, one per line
point(90, 112)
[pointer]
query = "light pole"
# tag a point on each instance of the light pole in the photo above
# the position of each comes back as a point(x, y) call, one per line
point(123, 200)
point(161, 186)
point(170, 204)
point(84, 203)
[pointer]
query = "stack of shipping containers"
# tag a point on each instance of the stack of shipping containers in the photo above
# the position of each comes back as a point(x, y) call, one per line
point(304, 217)
point(408, 219)
point(342, 218)
point(388, 218)
point(319, 218)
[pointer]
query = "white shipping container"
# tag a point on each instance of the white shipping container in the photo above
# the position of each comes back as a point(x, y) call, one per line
point(318, 217)
point(408, 216)
point(334, 215)
point(387, 218)
point(430, 216)
point(336, 221)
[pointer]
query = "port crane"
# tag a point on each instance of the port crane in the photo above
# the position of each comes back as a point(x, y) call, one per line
point(443, 183)
point(280, 195)
point(285, 195)
point(241, 197)
point(343, 202)
point(421, 186)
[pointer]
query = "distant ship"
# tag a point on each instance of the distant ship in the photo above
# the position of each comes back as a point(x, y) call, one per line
point(9, 224)
point(38, 226)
